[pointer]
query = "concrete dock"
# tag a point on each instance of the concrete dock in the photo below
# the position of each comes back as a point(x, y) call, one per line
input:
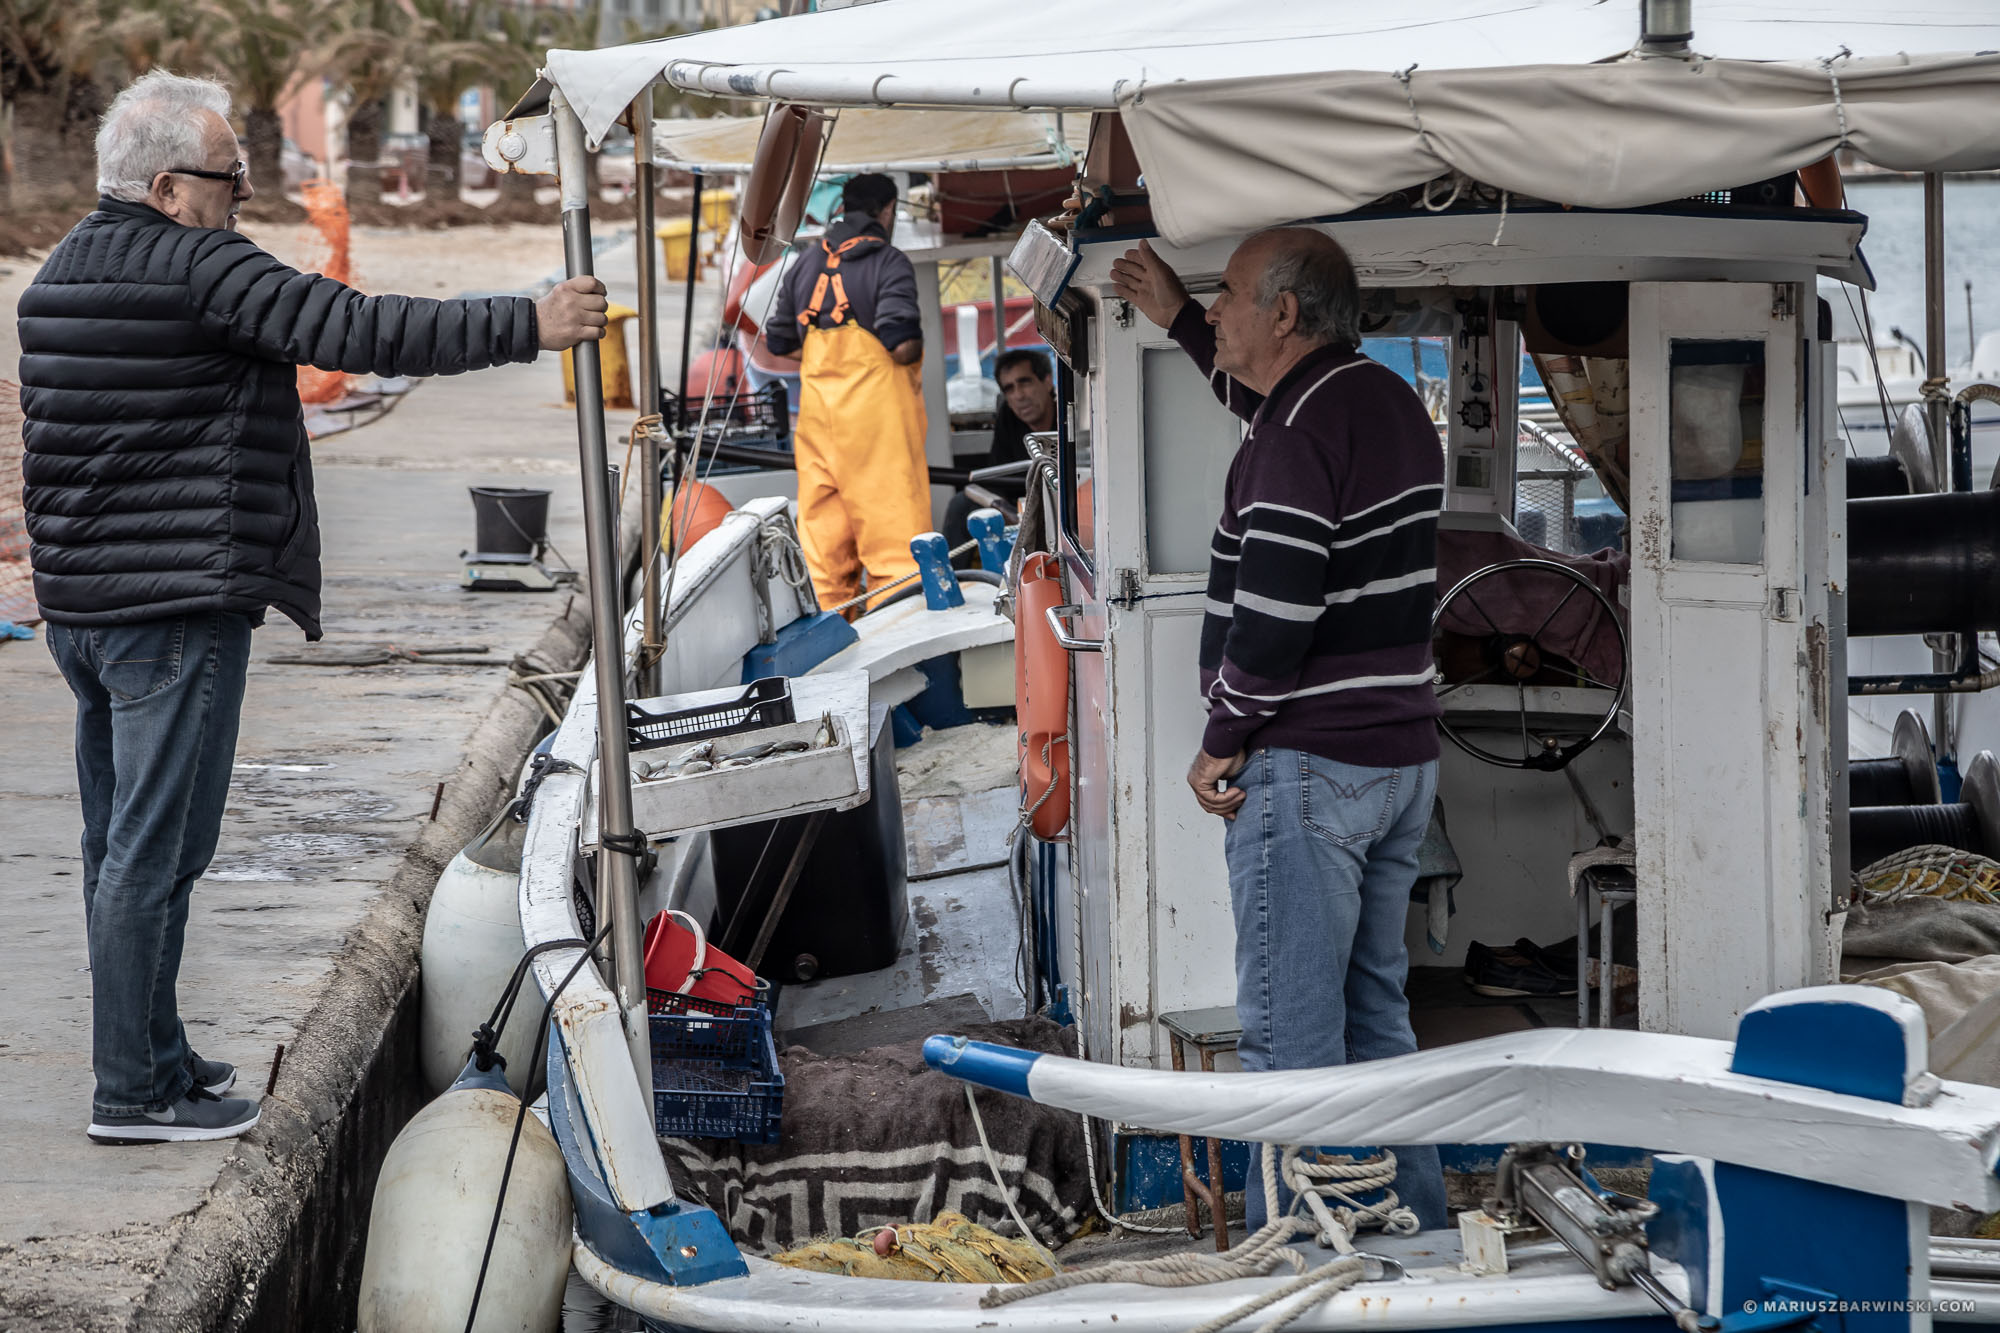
point(354, 784)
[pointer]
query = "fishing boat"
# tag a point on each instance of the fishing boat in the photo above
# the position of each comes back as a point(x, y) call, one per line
point(1651, 751)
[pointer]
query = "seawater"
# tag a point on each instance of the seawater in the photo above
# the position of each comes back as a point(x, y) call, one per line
point(1894, 249)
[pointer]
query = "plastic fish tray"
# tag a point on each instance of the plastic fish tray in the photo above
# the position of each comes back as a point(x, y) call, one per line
point(715, 1069)
point(763, 703)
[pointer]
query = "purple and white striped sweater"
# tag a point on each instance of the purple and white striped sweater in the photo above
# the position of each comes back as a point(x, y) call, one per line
point(1323, 572)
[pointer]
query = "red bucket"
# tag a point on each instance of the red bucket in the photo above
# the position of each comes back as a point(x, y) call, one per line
point(680, 958)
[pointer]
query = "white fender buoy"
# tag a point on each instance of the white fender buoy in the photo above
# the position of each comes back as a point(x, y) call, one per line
point(472, 943)
point(433, 1208)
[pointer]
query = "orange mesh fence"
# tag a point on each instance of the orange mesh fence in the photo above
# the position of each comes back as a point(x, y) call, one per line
point(326, 210)
point(17, 589)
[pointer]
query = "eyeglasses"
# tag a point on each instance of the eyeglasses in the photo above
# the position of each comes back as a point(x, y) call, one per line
point(236, 175)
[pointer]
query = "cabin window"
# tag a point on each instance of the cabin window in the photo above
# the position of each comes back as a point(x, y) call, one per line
point(1715, 436)
point(1189, 438)
point(1073, 459)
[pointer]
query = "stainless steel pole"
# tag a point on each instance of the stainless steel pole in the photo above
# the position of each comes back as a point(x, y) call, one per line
point(1936, 409)
point(1934, 336)
point(645, 179)
point(999, 280)
point(617, 873)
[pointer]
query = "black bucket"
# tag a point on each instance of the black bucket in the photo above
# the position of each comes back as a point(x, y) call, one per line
point(511, 520)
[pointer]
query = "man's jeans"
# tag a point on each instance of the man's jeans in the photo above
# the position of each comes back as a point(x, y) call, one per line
point(156, 711)
point(1322, 856)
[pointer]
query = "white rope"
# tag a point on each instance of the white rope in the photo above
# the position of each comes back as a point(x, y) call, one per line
point(1267, 1249)
point(893, 584)
point(1458, 183)
point(1006, 1194)
point(784, 557)
point(1839, 106)
point(1501, 230)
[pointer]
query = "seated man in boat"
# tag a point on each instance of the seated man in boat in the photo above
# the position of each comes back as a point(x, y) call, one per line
point(1321, 748)
point(1027, 403)
point(170, 505)
point(847, 312)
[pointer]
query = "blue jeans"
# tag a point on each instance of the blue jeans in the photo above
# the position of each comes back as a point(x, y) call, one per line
point(156, 711)
point(1322, 856)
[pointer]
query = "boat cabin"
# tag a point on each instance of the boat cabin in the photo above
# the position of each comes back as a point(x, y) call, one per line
point(1711, 749)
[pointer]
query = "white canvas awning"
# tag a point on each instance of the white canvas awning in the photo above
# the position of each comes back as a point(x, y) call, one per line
point(1224, 158)
point(1096, 53)
point(868, 139)
point(1251, 112)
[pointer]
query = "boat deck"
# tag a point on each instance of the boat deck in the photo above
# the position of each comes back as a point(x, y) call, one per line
point(961, 959)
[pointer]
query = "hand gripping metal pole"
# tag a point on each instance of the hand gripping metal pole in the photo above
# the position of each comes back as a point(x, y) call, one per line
point(645, 179)
point(617, 872)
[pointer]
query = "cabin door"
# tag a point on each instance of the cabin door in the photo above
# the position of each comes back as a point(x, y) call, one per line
point(1163, 940)
point(1730, 652)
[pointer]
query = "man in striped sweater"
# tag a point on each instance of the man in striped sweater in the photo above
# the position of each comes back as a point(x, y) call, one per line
point(1321, 746)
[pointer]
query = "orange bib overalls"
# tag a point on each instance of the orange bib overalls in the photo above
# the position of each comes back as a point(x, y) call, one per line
point(864, 484)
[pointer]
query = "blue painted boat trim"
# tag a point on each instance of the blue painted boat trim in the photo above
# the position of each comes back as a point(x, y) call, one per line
point(999, 1067)
point(676, 1243)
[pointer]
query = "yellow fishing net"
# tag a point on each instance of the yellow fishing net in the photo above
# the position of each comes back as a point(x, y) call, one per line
point(949, 1249)
point(1931, 871)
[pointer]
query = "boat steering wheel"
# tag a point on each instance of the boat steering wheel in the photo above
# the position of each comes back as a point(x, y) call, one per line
point(1516, 659)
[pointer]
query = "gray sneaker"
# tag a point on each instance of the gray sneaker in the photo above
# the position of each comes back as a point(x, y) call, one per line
point(212, 1075)
point(199, 1116)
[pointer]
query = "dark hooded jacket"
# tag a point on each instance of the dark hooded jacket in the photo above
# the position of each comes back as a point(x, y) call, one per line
point(166, 464)
point(880, 282)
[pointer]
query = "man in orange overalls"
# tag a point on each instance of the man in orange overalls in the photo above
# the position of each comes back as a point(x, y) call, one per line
point(847, 312)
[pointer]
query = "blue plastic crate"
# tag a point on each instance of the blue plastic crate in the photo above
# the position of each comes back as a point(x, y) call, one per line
point(715, 1070)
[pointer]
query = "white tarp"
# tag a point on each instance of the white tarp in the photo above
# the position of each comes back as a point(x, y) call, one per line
point(1223, 158)
point(1092, 53)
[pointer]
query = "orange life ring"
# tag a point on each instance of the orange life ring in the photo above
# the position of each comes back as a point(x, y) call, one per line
point(695, 510)
point(1821, 185)
point(774, 198)
point(1041, 698)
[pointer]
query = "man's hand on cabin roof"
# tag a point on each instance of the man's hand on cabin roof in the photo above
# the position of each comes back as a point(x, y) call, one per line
point(1150, 284)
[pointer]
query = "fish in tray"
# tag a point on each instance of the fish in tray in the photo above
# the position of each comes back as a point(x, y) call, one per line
point(705, 758)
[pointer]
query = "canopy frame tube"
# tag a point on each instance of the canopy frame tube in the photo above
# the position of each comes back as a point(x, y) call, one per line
point(617, 870)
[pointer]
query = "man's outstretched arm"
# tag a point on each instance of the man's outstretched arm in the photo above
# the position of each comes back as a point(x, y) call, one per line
point(264, 308)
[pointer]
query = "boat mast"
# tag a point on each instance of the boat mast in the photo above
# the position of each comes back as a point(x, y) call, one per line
point(1937, 408)
point(618, 844)
point(644, 176)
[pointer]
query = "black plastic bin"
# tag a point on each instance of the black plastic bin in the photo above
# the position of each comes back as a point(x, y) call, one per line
point(510, 520)
point(847, 910)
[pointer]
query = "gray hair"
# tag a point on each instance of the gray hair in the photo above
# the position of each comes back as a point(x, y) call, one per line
point(151, 127)
point(1312, 267)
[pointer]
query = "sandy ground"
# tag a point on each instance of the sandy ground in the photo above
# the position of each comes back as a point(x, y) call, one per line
point(427, 263)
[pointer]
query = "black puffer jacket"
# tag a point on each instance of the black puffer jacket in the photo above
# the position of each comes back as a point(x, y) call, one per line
point(166, 461)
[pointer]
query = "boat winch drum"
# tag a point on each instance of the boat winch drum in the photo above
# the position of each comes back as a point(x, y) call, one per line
point(1924, 564)
point(1908, 776)
point(1971, 825)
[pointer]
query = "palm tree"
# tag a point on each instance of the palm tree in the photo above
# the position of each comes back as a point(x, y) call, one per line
point(462, 50)
point(377, 43)
point(265, 49)
point(53, 56)
point(528, 35)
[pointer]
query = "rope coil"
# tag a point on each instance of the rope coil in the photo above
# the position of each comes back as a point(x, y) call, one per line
point(1269, 1248)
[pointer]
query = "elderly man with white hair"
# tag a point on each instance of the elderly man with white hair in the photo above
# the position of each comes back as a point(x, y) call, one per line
point(1321, 748)
point(170, 504)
